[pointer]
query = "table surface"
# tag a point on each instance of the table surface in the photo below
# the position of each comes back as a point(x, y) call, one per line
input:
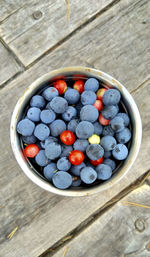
point(35, 38)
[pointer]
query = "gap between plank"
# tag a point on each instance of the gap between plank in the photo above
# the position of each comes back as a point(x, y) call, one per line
point(96, 215)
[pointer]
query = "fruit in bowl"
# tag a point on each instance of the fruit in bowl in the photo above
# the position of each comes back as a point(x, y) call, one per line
point(75, 133)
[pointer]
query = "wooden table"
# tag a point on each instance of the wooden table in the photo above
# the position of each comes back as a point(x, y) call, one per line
point(110, 35)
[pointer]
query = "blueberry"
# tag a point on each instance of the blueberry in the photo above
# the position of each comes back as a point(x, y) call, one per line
point(50, 170)
point(50, 93)
point(109, 112)
point(53, 150)
point(79, 105)
point(34, 114)
point(94, 152)
point(123, 136)
point(76, 169)
point(76, 182)
point(111, 97)
point(25, 127)
point(108, 131)
point(91, 84)
point(108, 143)
point(81, 145)
point(89, 113)
point(110, 163)
point(107, 154)
point(47, 116)
point(37, 101)
point(88, 175)
point(84, 130)
point(69, 113)
point(59, 104)
point(63, 164)
point(125, 117)
point(66, 150)
point(57, 127)
point(72, 125)
point(72, 96)
point(41, 158)
point(97, 128)
point(104, 172)
point(29, 139)
point(120, 152)
point(117, 124)
point(48, 141)
point(41, 131)
point(48, 107)
point(88, 97)
point(62, 179)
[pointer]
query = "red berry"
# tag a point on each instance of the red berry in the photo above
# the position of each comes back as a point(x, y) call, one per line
point(79, 86)
point(31, 150)
point(61, 86)
point(97, 162)
point(76, 157)
point(98, 105)
point(100, 93)
point(67, 137)
point(102, 120)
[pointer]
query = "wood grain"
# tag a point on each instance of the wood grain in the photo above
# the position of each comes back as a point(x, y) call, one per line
point(121, 231)
point(8, 7)
point(8, 65)
point(30, 38)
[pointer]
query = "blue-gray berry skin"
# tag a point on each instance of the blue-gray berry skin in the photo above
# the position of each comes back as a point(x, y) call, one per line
point(66, 150)
point(111, 97)
point(63, 164)
point(123, 136)
point(37, 101)
point(48, 140)
point(59, 104)
point(41, 131)
point(84, 130)
point(109, 111)
point(57, 127)
point(53, 150)
point(104, 172)
point(41, 158)
point(72, 125)
point(47, 116)
point(72, 96)
point(125, 117)
point(69, 113)
point(108, 143)
point(91, 84)
point(62, 180)
point(76, 182)
point(49, 93)
point(81, 145)
point(50, 170)
point(29, 139)
point(107, 154)
point(76, 169)
point(88, 175)
point(89, 113)
point(88, 97)
point(108, 131)
point(110, 163)
point(117, 124)
point(120, 152)
point(97, 128)
point(25, 127)
point(94, 152)
point(34, 114)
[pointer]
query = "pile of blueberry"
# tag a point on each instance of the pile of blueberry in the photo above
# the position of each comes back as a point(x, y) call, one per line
point(75, 132)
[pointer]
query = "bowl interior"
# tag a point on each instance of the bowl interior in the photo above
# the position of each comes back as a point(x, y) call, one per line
point(72, 74)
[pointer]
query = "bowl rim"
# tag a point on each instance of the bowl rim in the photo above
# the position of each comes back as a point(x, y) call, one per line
point(91, 72)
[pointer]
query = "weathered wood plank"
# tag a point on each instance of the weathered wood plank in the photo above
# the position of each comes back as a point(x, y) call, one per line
point(8, 65)
point(30, 38)
point(8, 7)
point(122, 231)
point(43, 218)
